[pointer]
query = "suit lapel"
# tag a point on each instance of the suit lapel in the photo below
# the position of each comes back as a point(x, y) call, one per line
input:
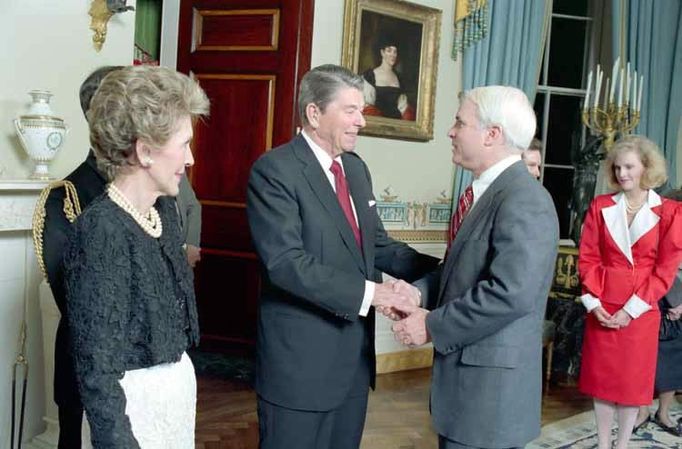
point(470, 222)
point(480, 211)
point(615, 219)
point(179, 207)
point(319, 184)
point(646, 218)
point(616, 223)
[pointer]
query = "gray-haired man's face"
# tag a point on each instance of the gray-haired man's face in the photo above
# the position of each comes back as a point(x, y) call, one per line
point(336, 129)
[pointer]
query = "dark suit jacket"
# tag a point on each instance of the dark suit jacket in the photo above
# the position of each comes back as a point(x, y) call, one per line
point(311, 340)
point(674, 296)
point(486, 325)
point(89, 184)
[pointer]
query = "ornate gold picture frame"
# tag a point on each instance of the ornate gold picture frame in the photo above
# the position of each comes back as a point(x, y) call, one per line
point(394, 45)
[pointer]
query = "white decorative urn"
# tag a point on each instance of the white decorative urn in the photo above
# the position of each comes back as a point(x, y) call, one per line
point(41, 132)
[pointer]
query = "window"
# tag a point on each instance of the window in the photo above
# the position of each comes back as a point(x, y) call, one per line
point(560, 93)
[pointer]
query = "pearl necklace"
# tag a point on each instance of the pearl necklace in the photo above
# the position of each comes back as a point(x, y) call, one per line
point(632, 210)
point(151, 224)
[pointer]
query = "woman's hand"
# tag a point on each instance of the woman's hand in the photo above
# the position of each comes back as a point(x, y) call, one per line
point(402, 103)
point(620, 319)
point(602, 316)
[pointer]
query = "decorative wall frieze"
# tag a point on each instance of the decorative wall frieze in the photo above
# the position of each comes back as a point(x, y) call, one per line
point(412, 220)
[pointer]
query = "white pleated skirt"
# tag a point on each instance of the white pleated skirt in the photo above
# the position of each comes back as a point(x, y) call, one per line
point(161, 405)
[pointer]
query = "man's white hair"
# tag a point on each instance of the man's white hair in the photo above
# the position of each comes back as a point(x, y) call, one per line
point(508, 108)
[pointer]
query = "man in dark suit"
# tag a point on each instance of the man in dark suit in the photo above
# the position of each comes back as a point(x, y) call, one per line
point(316, 230)
point(89, 183)
point(486, 318)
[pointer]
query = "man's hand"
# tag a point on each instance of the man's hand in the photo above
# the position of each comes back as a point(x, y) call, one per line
point(620, 319)
point(408, 290)
point(387, 300)
point(411, 331)
point(193, 255)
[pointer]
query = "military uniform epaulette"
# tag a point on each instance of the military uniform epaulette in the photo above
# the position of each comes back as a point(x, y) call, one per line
point(72, 209)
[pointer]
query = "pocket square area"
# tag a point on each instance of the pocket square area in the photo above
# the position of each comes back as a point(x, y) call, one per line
point(371, 203)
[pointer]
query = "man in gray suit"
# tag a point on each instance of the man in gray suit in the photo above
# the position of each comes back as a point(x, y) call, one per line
point(486, 318)
point(189, 211)
point(315, 227)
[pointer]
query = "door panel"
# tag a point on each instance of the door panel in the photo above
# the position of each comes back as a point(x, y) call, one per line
point(227, 320)
point(237, 132)
point(243, 29)
point(249, 56)
point(216, 235)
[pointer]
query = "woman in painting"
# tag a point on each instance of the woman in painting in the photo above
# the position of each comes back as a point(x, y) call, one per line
point(129, 288)
point(384, 94)
point(630, 250)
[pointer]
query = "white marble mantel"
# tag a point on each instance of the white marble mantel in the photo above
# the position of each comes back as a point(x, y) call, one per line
point(18, 198)
point(19, 281)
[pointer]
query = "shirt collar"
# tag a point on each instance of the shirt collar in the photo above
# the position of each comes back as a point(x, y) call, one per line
point(322, 156)
point(653, 199)
point(480, 184)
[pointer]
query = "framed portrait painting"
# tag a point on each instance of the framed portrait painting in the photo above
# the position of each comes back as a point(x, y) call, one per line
point(394, 46)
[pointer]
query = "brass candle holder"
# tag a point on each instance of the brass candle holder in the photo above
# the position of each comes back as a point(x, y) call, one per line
point(611, 121)
point(619, 113)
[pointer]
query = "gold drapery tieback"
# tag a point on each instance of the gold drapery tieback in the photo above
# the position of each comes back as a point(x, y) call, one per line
point(471, 24)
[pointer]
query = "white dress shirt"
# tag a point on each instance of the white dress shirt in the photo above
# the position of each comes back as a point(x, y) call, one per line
point(481, 184)
point(325, 161)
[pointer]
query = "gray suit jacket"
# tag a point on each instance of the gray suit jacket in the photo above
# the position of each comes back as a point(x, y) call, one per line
point(486, 323)
point(189, 211)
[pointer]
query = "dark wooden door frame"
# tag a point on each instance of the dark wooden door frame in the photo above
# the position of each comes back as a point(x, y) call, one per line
point(225, 44)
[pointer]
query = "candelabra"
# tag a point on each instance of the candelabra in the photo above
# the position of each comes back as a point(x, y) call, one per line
point(616, 116)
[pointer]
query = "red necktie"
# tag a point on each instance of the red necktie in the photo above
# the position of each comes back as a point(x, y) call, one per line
point(344, 199)
point(463, 206)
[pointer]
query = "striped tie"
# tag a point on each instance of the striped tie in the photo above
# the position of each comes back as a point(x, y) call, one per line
point(463, 206)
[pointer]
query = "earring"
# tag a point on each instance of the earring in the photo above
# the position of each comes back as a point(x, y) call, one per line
point(148, 161)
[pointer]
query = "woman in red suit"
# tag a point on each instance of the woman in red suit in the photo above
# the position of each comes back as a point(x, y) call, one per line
point(630, 248)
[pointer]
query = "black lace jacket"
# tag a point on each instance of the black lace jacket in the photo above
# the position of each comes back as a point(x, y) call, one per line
point(130, 305)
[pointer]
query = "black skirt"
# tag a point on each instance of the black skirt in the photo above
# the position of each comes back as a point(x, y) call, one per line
point(669, 365)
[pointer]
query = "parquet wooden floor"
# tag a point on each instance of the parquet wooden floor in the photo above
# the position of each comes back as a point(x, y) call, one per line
point(397, 416)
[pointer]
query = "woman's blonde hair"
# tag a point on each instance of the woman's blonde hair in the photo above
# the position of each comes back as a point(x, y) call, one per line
point(655, 173)
point(140, 103)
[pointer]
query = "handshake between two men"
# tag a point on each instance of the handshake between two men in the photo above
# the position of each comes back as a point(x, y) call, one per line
point(400, 302)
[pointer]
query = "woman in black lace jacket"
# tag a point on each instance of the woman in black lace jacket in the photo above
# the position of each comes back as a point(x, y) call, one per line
point(130, 294)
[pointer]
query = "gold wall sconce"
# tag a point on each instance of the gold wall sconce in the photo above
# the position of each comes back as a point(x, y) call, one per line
point(101, 11)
